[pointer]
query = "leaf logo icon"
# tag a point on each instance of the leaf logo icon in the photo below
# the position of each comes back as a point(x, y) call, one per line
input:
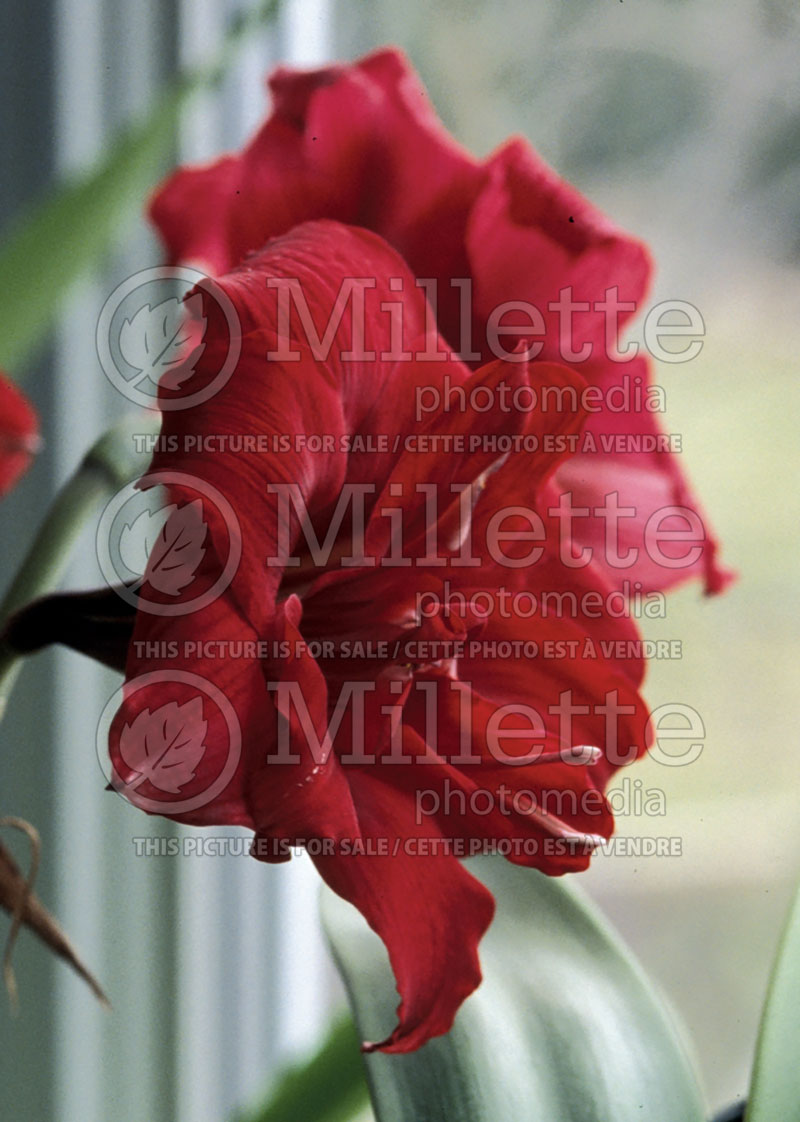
point(138, 538)
point(177, 550)
point(154, 342)
point(166, 745)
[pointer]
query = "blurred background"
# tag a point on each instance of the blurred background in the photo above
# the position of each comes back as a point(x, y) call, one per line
point(681, 119)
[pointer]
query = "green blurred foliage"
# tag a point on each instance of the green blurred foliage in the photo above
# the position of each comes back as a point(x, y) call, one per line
point(328, 1087)
point(641, 105)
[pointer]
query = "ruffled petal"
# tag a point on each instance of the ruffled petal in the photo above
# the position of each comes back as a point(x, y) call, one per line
point(627, 461)
point(276, 403)
point(285, 390)
point(343, 142)
point(530, 236)
point(192, 212)
point(428, 910)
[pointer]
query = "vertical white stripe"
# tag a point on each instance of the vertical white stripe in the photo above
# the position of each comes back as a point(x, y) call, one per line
point(303, 998)
point(257, 974)
point(200, 979)
point(106, 1063)
point(78, 813)
point(79, 68)
point(200, 30)
point(307, 31)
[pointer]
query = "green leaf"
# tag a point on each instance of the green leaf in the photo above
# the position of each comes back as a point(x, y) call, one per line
point(329, 1087)
point(564, 1027)
point(61, 238)
point(775, 1086)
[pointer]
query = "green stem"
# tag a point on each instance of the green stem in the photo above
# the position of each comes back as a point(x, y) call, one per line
point(108, 465)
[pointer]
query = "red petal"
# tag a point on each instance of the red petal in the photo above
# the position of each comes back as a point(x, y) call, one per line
point(464, 445)
point(346, 143)
point(281, 401)
point(489, 806)
point(531, 235)
point(270, 400)
point(19, 434)
point(191, 211)
point(593, 680)
point(230, 665)
point(428, 910)
point(647, 482)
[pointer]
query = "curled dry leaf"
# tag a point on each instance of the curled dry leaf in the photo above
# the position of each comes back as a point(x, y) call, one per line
point(17, 897)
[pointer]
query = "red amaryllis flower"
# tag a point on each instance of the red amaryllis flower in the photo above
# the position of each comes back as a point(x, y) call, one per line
point(364, 683)
point(497, 243)
point(19, 434)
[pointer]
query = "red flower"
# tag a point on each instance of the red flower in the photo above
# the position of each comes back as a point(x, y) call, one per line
point(376, 701)
point(19, 434)
point(362, 145)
